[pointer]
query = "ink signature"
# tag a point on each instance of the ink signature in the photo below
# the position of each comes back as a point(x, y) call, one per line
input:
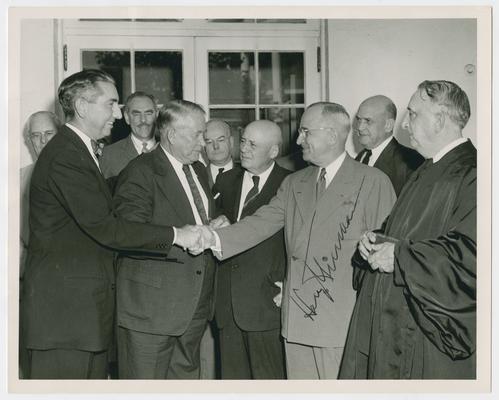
point(325, 274)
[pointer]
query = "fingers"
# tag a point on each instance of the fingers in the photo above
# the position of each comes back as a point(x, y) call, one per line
point(219, 222)
point(366, 243)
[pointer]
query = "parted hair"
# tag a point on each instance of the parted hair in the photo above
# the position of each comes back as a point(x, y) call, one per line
point(173, 111)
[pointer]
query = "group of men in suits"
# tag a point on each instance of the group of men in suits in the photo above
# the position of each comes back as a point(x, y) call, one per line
point(295, 294)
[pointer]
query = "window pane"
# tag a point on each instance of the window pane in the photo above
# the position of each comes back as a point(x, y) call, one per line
point(288, 120)
point(115, 63)
point(237, 120)
point(231, 78)
point(281, 78)
point(159, 73)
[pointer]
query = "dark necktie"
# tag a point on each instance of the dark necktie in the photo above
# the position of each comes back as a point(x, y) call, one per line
point(253, 191)
point(321, 184)
point(364, 156)
point(198, 201)
point(220, 170)
point(96, 148)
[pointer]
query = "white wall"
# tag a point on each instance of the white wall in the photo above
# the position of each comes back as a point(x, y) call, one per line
point(37, 72)
point(391, 57)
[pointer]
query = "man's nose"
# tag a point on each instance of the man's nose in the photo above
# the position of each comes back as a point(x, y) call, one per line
point(43, 138)
point(299, 139)
point(216, 145)
point(117, 112)
point(361, 125)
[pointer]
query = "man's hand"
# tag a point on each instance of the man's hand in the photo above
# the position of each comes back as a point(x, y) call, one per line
point(278, 298)
point(207, 240)
point(188, 237)
point(365, 245)
point(220, 222)
point(381, 257)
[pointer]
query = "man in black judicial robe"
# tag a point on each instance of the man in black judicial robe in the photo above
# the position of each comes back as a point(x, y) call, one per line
point(423, 305)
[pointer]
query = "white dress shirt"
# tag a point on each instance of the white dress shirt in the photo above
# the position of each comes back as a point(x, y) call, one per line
point(137, 143)
point(214, 169)
point(448, 148)
point(87, 140)
point(332, 168)
point(248, 185)
point(376, 152)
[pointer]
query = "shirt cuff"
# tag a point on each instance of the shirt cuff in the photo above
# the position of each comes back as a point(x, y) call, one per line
point(174, 235)
point(218, 244)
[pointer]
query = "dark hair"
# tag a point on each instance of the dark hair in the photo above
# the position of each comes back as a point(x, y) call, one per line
point(137, 94)
point(451, 96)
point(76, 85)
point(174, 110)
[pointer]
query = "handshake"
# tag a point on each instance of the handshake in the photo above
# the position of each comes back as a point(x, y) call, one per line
point(198, 238)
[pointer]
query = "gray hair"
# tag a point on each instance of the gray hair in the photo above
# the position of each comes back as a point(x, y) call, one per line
point(174, 110)
point(137, 94)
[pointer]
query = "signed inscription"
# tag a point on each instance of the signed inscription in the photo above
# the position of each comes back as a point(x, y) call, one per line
point(321, 272)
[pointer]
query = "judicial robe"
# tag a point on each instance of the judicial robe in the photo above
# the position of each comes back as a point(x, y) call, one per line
point(423, 315)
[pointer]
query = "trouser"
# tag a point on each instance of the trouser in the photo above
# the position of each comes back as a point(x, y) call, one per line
point(310, 362)
point(67, 364)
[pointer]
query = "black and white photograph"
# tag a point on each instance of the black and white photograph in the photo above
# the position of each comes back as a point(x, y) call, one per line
point(249, 199)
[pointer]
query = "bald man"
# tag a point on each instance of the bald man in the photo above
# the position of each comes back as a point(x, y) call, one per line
point(219, 144)
point(247, 317)
point(373, 125)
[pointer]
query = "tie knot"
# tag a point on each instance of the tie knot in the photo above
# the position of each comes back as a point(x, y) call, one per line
point(96, 147)
point(144, 147)
point(220, 170)
point(322, 174)
point(256, 180)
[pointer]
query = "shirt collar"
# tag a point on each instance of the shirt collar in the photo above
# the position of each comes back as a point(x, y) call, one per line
point(214, 168)
point(263, 176)
point(376, 152)
point(333, 168)
point(437, 157)
point(138, 143)
point(87, 140)
point(176, 164)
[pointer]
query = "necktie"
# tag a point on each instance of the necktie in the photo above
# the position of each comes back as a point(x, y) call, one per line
point(321, 184)
point(364, 156)
point(220, 170)
point(144, 147)
point(96, 147)
point(198, 201)
point(253, 191)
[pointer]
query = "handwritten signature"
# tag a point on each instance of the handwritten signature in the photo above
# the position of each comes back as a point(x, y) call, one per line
point(325, 272)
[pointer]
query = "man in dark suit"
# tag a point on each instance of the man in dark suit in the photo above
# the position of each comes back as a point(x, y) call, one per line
point(163, 305)
point(219, 145)
point(246, 315)
point(322, 209)
point(140, 113)
point(68, 291)
point(373, 125)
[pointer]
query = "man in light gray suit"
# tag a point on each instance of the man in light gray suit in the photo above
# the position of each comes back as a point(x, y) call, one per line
point(140, 113)
point(324, 209)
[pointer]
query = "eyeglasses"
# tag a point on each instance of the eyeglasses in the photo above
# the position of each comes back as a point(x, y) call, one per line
point(40, 135)
point(306, 131)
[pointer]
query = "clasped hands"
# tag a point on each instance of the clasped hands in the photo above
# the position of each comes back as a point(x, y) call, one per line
point(380, 256)
point(198, 238)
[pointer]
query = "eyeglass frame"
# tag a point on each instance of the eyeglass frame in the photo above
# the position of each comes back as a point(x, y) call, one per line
point(306, 131)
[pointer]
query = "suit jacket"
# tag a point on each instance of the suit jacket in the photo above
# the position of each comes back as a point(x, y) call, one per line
point(68, 290)
point(25, 180)
point(210, 178)
point(247, 280)
point(398, 162)
point(116, 156)
point(159, 296)
point(320, 238)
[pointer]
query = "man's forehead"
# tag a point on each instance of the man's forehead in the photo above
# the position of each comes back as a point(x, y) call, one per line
point(41, 122)
point(371, 109)
point(141, 103)
point(107, 89)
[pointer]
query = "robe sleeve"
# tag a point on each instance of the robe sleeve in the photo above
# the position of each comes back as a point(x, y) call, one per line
point(439, 277)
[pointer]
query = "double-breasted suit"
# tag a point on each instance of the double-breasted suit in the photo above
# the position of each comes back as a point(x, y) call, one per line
point(320, 241)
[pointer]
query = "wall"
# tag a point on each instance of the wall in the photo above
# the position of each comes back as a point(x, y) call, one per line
point(391, 57)
point(37, 72)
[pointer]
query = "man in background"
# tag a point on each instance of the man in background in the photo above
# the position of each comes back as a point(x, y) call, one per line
point(140, 113)
point(41, 127)
point(373, 125)
point(219, 145)
point(246, 314)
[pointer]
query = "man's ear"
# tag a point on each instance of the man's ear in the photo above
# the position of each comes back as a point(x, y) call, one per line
point(389, 125)
point(81, 107)
point(170, 134)
point(274, 151)
point(127, 118)
point(440, 119)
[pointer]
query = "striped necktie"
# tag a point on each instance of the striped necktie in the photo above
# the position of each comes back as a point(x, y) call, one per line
point(198, 200)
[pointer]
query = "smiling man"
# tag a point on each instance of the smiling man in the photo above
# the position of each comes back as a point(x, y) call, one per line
point(323, 209)
point(373, 125)
point(140, 113)
point(68, 292)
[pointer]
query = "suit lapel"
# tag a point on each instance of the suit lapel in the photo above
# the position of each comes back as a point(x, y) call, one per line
point(264, 196)
point(129, 148)
point(78, 143)
point(202, 174)
point(386, 155)
point(170, 185)
point(304, 192)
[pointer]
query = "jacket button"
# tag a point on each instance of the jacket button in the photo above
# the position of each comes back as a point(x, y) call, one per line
point(198, 272)
point(113, 286)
